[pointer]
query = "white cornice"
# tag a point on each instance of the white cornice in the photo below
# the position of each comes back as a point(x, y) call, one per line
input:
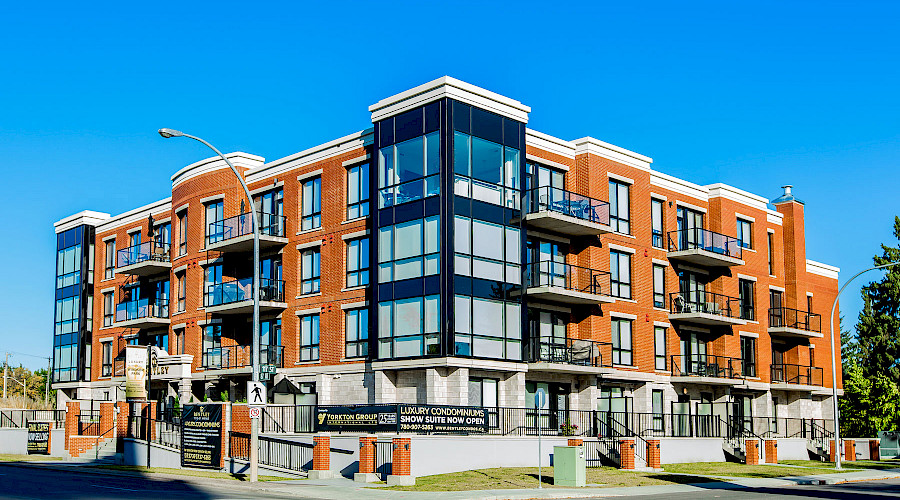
point(549, 143)
point(452, 88)
point(312, 155)
point(238, 158)
point(774, 217)
point(734, 194)
point(611, 152)
point(136, 214)
point(85, 217)
point(677, 185)
point(822, 269)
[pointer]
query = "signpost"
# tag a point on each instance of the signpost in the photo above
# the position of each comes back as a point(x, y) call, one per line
point(201, 436)
point(540, 399)
point(38, 438)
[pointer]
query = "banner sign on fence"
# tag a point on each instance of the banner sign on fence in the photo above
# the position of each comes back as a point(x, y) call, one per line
point(38, 438)
point(136, 373)
point(368, 418)
point(431, 418)
point(201, 436)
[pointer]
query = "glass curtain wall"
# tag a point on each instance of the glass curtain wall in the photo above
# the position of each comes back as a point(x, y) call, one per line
point(73, 297)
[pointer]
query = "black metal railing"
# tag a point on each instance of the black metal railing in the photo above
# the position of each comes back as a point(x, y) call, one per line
point(797, 374)
point(698, 301)
point(239, 290)
point(239, 356)
point(275, 452)
point(384, 458)
point(706, 365)
point(19, 418)
point(240, 225)
point(161, 432)
point(288, 419)
point(143, 308)
point(567, 276)
point(704, 239)
point(546, 198)
point(570, 351)
point(89, 423)
point(143, 252)
point(785, 317)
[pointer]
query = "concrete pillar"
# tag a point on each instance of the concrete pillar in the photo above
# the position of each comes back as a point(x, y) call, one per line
point(771, 451)
point(512, 390)
point(874, 450)
point(385, 389)
point(626, 454)
point(458, 387)
point(751, 447)
point(435, 387)
point(366, 472)
point(653, 454)
point(73, 412)
point(321, 457)
point(849, 450)
point(401, 466)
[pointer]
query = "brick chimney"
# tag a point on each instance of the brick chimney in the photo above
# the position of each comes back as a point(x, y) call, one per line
point(794, 245)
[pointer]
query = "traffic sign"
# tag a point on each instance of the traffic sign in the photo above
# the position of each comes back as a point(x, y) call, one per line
point(540, 399)
point(266, 368)
point(255, 412)
point(256, 393)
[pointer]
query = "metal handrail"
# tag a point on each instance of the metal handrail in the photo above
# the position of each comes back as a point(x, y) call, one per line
point(786, 317)
point(705, 365)
point(239, 290)
point(242, 224)
point(797, 374)
point(239, 356)
point(143, 252)
point(546, 198)
point(698, 301)
point(570, 351)
point(703, 239)
point(142, 308)
point(568, 276)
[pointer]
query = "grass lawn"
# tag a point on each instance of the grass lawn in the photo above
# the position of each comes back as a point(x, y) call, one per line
point(858, 464)
point(26, 458)
point(189, 472)
point(732, 469)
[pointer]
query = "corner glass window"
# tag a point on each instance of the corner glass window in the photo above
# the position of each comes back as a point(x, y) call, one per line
point(409, 250)
point(408, 170)
point(409, 327)
point(486, 171)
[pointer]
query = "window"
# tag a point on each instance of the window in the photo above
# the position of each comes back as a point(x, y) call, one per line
point(270, 351)
point(162, 235)
point(620, 271)
point(656, 407)
point(619, 207)
point(179, 340)
point(483, 392)
point(493, 255)
point(213, 293)
point(358, 191)
point(182, 232)
point(109, 309)
point(485, 170)
point(310, 271)
point(621, 341)
point(309, 338)
point(182, 292)
point(409, 327)
point(106, 357)
point(270, 206)
point(659, 346)
point(770, 243)
point(748, 356)
point(311, 204)
point(487, 328)
point(744, 233)
point(746, 299)
point(659, 286)
point(357, 333)
point(656, 222)
point(809, 304)
point(358, 262)
point(409, 170)
point(409, 249)
point(110, 260)
point(215, 228)
point(211, 352)
point(160, 340)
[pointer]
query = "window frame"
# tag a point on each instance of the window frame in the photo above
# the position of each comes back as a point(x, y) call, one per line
point(358, 201)
point(109, 270)
point(219, 214)
point(106, 358)
point(360, 345)
point(314, 280)
point(362, 274)
point(770, 243)
point(616, 340)
point(309, 351)
point(616, 279)
point(182, 232)
point(744, 233)
point(657, 236)
point(661, 293)
point(312, 220)
point(750, 285)
point(748, 369)
point(109, 308)
point(659, 345)
point(616, 220)
point(181, 283)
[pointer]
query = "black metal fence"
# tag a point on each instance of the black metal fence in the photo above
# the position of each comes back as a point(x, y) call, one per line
point(704, 239)
point(568, 276)
point(785, 317)
point(384, 458)
point(570, 351)
point(17, 418)
point(89, 423)
point(162, 432)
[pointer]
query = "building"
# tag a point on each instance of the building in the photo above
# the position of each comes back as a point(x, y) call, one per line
point(450, 255)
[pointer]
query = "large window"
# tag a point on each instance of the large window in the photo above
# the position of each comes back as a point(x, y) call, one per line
point(747, 299)
point(620, 271)
point(409, 327)
point(310, 271)
point(485, 250)
point(357, 333)
point(483, 392)
point(656, 407)
point(215, 230)
point(409, 249)
point(488, 328)
point(162, 235)
point(748, 356)
point(358, 191)
point(271, 210)
point(771, 248)
point(659, 286)
point(212, 346)
point(109, 270)
point(182, 232)
point(309, 337)
point(486, 171)
point(311, 204)
point(656, 223)
point(106, 359)
point(409, 170)
point(745, 233)
point(358, 262)
point(621, 341)
point(659, 347)
point(619, 207)
point(182, 292)
point(109, 309)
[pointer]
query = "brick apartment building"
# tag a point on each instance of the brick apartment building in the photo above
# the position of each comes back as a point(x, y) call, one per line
point(451, 255)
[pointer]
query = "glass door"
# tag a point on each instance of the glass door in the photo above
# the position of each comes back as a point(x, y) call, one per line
point(271, 206)
point(690, 225)
point(776, 313)
point(693, 354)
point(692, 293)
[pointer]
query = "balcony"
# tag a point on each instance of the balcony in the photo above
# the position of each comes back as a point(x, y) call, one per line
point(568, 354)
point(706, 369)
point(704, 248)
point(236, 296)
point(796, 375)
point(240, 356)
point(707, 308)
point(145, 259)
point(564, 212)
point(789, 322)
point(560, 282)
point(235, 234)
point(143, 314)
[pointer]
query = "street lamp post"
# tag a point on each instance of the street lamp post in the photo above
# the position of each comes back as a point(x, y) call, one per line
point(834, 400)
point(254, 422)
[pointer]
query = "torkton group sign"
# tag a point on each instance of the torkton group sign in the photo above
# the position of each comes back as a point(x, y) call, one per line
point(402, 418)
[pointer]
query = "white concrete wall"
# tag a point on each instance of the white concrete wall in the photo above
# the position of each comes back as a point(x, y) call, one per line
point(135, 453)
point(442, 454)
point(792, 449)
point(683, 450)
point(14, 441)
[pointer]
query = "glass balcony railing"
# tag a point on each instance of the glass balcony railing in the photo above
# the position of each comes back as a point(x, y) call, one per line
point(698, 301)
point(704, 239)
point(240, 225)
point(570, 351)
point(142, 308)
point(785, 317)
point(797, 374)
point(240, 356)
point(582, 207)
point(240, 290)
point(706, 365)
point(149, 251)
point(567, 276)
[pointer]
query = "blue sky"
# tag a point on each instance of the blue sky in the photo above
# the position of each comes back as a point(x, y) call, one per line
point(751, 94)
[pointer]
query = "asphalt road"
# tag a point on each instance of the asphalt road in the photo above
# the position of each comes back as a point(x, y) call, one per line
point(33, 483)
point(889, 488)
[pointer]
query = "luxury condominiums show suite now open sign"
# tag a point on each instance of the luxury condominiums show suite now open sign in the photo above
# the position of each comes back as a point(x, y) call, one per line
point(422, 418)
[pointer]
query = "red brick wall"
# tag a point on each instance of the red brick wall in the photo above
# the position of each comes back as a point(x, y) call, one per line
point(771, 451)
point(73, 412)
point(402, 457)
point(240, 418)
point(321, 452)
point(626, 454)
point(751, 446)
point(367, 454)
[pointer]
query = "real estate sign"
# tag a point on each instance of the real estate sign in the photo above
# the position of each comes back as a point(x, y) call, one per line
point(368, 418)
point(135, 373)
point(402, 418)
point(38, 438)
point(201, 436)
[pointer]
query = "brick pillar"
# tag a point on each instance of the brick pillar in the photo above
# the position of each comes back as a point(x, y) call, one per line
point(122, 419)
point(626, 454)
point(367, 454)
point(107, 416)
point(73, 411)
point(576, 442)
point(654, 459)
point(224, 433)
point(874, 450)
point(752, 451)
point(831, 451)
point(322, 452)
point(401, 466)
point(771, 451)
point(849, 450)
point(151, 419)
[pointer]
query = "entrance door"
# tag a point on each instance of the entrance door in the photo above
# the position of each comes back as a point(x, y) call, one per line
point(705, 415)
point(548, 260)
point(693, 354)
point(692, 291)
point(681, 416)
point(742, 416)
point(776, 313)
point(553, 414)
point(690, 228)
point(614, 410)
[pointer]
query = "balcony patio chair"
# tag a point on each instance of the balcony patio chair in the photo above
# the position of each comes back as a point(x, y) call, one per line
point(582, 352)
point(681, 305)
point(712, 308)
point(160, 253)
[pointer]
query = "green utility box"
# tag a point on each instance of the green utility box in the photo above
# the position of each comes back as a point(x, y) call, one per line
point(889, 444)
point(569, 466)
